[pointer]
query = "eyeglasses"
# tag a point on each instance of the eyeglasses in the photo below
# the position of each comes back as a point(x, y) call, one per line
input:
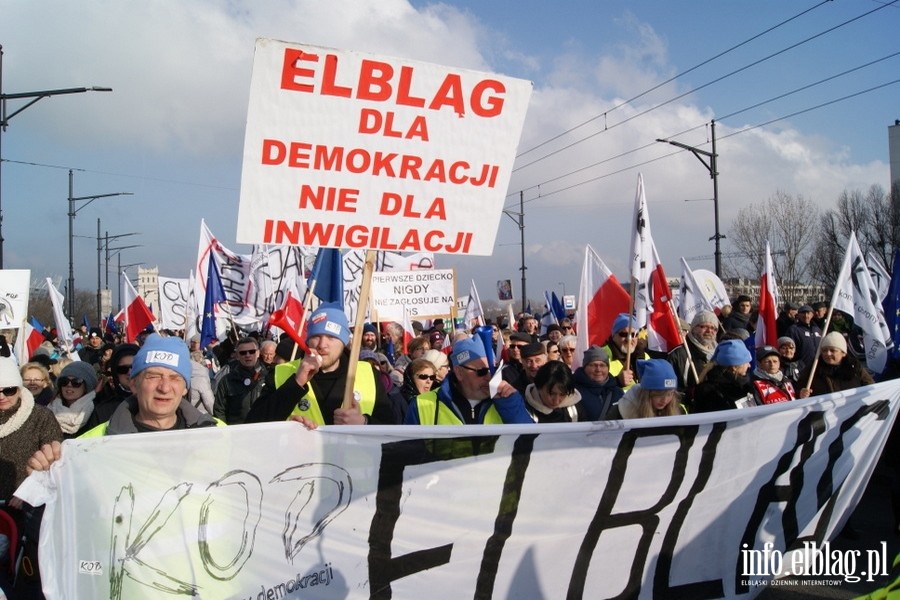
point(123, 369)
point(567, 350)
point(30, 381)
point(70, 381)
point(478, 372)
point(247, 352)
point(623, 334)
point(9, 391)
point(516, 346)
point(425, 377)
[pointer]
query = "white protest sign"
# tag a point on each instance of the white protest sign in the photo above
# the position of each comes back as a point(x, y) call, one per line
point(14, 286)
point(173, 301)
point(351, 150)
point(592, 510)
point(423, 293)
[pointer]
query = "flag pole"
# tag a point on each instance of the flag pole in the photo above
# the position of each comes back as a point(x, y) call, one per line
point(812, 371)
point(683, 339)
point(630, 316)
point(356, 342)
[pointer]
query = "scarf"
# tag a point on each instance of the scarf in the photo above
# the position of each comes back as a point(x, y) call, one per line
point(71, 418)
point(19, 415)
point(707, 351)
point(760, 374)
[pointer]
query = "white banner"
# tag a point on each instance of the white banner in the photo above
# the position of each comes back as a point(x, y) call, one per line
point(615, 508)
point(173, 302)
point(355, 260)
point(351, 150)
point(423, 293)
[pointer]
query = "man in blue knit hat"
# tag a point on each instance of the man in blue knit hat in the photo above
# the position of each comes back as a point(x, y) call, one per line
point(464, 397)
point(624, 339)
point(160, 376)
point(311, 390)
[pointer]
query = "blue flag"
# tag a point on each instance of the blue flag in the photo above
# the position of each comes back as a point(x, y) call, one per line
point(85, 322)
point(111, 324)
point(892, 306)
point(36, 324)
point(328, 275)
point(557, 307)
point(215, 294)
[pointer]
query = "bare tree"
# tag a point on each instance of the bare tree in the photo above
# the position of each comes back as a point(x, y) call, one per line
point(873, 215)
point(789, 224)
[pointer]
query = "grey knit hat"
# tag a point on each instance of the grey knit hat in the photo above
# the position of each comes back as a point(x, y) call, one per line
point(595, 353)
point(81, 370)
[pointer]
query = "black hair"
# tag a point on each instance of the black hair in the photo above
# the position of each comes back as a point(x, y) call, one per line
point(555, 373)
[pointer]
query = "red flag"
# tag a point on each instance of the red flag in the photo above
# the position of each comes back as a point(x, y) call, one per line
point(602, 298)
point(33, 339)
point(137, 315)
point(766, 331)
point(290, 318)
point(662, 328)
point(408, 332)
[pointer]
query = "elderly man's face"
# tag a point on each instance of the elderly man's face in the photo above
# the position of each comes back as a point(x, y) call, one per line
point(159, 391)
point(267, 354)
point(805, 317)
point(474, 379)
point(705, 332)
point(533, 363)
point(531, 325)
point(626, 339)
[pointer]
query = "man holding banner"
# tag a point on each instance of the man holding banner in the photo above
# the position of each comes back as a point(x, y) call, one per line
point(312, 389)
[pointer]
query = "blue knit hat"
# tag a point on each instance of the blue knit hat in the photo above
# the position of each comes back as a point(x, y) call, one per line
point(369, 328)
point(329, 319)
point(656, 374)
point(622, 321)
point(159, 351)
point(731, 353)
point(467, 349)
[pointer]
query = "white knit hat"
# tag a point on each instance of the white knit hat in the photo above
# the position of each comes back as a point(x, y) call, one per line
point(835, 340)
point(9, 373)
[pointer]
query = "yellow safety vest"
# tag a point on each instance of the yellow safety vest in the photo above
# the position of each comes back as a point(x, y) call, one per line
point(100, 430)
point(308, 406)
point(616, 366)
point(427, 403)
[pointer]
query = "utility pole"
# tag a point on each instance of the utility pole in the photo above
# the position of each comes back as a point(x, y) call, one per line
point(712, 167)
point(5, 118)
point(519, 219)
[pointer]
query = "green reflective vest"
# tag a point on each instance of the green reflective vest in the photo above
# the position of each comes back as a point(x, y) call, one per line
point(308, 406)
point(428, 402)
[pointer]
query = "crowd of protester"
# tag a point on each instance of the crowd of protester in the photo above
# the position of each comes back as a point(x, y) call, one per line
point(440, 377)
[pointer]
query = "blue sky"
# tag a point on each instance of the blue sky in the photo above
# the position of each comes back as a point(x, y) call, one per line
point(172, 131)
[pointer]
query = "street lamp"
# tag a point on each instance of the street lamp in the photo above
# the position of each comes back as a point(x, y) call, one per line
point(712, 167)
point(101, 243)
point(72, 212)
point(4, 121)
point(519, 218)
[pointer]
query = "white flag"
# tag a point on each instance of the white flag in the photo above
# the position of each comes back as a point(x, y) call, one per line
point(856, 294)
point(474, 315)
point(642, 254)
point(880, 277)
point(63, 328)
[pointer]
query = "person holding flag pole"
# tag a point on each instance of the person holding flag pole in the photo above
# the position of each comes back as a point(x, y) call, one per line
point(328, 386)
point(854, 294)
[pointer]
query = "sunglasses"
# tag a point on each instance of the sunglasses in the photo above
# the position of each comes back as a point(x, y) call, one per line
point(626, 335)
point(70, 381)
point(516, 346)
point(9, 391)
point(481, 372)
point(567, 350)
point(425, 377)
point(123, 369)
point(246, 352)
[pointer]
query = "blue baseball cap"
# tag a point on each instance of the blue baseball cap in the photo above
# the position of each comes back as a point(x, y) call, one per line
point(159, 351)
point(329, 319)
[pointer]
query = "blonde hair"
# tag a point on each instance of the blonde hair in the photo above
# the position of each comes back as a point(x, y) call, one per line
point(61, 363)
point(37, 367)
point(645, 406)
